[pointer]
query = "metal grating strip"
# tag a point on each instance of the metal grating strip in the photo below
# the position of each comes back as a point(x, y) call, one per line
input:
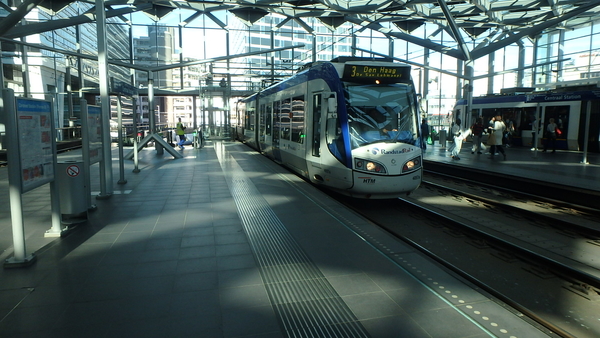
point(304, 301)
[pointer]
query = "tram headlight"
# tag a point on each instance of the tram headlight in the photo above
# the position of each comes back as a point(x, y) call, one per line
point(411, 165)
point(369, 166)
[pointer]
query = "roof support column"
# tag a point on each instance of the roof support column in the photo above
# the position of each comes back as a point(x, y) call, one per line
point(459, 81)
point(314, 49)
point(534, 62)
point(106, 175)
point(227, 90)
point(468, 91)
point(425, 92)
point(353, 43)
point(1, 70)
point(490, 79)
point(521, 71)
point(272, 57)
point(561, 53)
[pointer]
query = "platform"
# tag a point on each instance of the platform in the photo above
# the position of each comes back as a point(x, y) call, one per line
point(572, 168)
point(225, 243)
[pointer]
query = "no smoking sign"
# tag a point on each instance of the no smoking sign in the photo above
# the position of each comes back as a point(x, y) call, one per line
point(73, 170)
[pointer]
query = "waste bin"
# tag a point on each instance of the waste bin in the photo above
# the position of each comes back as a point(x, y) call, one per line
point(70, 180)
point(442, 135)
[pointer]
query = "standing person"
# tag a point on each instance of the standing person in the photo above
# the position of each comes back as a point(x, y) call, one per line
point(180, 130)
point(477, 132)
point(551, 136)
point(491, 138)
point(510, 129)
point(535, 128)
point(499, 129)
point(424, 134)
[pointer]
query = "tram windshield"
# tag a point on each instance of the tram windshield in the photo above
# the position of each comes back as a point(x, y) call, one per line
point(381, 113)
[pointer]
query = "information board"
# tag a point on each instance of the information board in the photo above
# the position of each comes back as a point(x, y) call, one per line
point(36, 142)
point(94, 129)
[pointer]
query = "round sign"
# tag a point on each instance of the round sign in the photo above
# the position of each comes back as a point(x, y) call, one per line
point(73, 170)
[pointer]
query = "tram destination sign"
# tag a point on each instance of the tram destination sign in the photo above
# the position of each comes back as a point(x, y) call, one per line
point(567, 96)
point(370, 73)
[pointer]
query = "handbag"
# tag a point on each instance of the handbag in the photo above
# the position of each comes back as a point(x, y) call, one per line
point(558, 132)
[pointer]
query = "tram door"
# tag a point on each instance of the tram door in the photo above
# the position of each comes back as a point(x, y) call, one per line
point(317, 103)
point(314, 134)
point(265, 120)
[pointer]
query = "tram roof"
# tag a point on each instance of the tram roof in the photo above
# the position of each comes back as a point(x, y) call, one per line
point(493, 23)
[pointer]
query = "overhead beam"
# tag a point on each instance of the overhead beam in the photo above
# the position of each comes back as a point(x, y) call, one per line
point(17, 15)
point(455, 30)
point(145, 68)
point(477, 53)
point(407, 37)
point(36, 28)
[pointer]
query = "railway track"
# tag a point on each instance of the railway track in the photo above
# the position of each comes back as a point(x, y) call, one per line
point(537, 255)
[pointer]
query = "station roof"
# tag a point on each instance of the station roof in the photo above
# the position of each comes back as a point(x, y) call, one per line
point(491, 24)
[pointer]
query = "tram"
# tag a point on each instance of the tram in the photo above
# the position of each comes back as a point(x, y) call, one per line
point(575, 110)
point(350, 125)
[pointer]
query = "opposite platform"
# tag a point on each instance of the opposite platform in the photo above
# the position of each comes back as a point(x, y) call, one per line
point(225, 243)
point(570, 168)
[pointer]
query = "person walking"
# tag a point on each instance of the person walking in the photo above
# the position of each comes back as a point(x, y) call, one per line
point(499, 129)
point(424, 134)
point(477, 132)
point(459, 137)
point(454, 132)
point(180, 131)
point(550, 136)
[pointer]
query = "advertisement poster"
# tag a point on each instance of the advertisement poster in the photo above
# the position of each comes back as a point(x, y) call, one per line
point(35, 133)
point(94, 126)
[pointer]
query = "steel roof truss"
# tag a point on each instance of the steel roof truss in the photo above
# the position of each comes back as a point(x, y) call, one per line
point(530, 31)
point(455, 31)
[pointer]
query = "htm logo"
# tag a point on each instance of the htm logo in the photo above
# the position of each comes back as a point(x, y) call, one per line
point(369, 180)
point(375, 151)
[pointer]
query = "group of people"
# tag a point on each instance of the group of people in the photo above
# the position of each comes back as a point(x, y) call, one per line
point(496, 129)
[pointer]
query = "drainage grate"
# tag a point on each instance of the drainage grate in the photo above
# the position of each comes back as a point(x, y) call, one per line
point(304, 301)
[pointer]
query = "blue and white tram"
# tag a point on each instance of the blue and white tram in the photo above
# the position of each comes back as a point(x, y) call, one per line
point(350, 125)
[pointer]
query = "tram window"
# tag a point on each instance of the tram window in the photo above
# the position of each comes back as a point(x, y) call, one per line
point(298, 119)
point(250, 116)
point(261, 121)
point(276, 123)
point(316, 122)
point(285, 118)
point(335, 139)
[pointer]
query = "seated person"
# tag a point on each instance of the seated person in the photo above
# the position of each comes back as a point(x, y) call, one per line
point(389, 132)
